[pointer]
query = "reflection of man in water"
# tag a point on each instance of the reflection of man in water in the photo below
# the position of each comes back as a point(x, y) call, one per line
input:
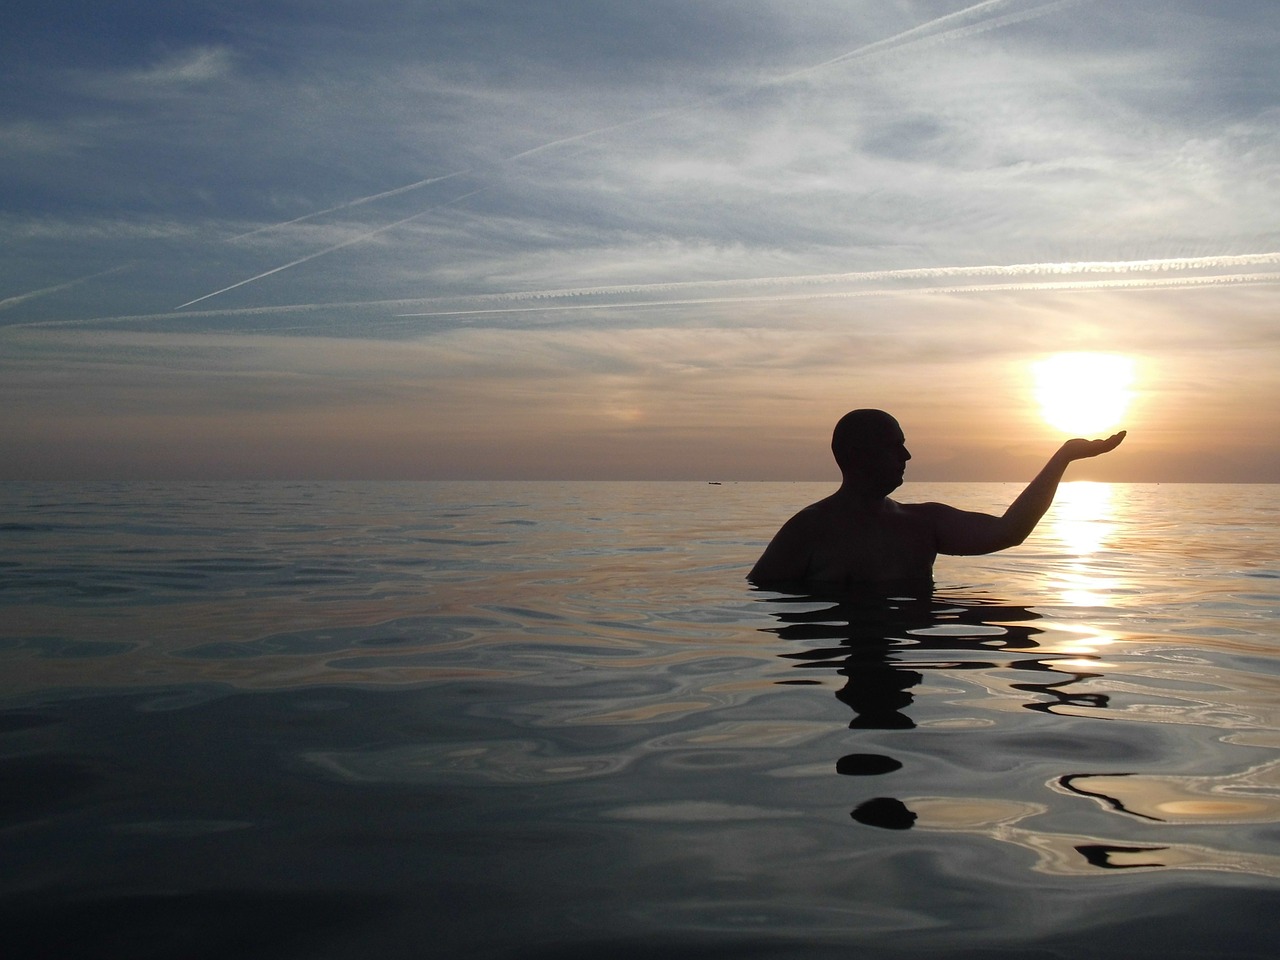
point(859, 536)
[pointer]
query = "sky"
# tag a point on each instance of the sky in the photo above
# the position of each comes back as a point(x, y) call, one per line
point(559, 239)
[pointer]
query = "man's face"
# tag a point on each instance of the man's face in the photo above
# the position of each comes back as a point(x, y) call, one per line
point(882, 459)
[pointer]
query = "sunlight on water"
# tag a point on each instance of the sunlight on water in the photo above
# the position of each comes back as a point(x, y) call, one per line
point(1081, 516)
point(1081, 520)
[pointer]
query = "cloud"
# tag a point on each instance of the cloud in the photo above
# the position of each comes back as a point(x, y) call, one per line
point(189, 67)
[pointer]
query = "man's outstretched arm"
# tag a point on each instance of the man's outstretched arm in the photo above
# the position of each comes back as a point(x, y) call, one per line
point(962, 533)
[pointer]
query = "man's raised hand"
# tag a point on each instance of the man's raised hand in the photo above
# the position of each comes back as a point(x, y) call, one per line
point(1083, 449)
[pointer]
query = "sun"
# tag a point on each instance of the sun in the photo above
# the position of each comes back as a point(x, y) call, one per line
point(1083, 394)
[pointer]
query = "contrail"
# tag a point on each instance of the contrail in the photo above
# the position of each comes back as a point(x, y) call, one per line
point(923, 33)
point(923, 273)
point(1163, 283)
point(930, 31)
point(350, 203)
point(1169, 268)
point(24, 297)
point(320, 253)
point(1168, 264)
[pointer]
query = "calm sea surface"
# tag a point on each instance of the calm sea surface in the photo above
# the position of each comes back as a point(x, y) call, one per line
point(551, 720)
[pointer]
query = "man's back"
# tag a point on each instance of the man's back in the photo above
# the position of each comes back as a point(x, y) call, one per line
point(835, 541)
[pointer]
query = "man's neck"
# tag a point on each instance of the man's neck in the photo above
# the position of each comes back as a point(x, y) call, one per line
point(858, 499)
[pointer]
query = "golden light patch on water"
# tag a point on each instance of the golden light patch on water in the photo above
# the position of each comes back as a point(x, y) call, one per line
point(1215, 809)
point(1092, 645)
point(1190, 710)
point(1250, 796)
point(1083, 664)
point(1008, 692)
point(1075, 639)
point(1064, 854)
point(1255, 738)
point(1078, 597)
point(969, 813)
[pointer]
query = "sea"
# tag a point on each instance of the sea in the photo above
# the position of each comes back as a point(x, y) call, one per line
point(552, 721)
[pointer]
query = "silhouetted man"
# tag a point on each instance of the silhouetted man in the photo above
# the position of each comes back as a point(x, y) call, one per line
point(859, 536)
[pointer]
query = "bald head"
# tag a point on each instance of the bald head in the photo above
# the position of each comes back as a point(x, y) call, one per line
point(860, 430)
point(869, 446)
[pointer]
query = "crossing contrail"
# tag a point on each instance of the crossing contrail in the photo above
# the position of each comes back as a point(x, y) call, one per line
point(320, 253)
point(950, 26)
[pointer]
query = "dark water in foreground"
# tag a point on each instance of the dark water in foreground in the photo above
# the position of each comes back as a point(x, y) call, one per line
point(552, 721)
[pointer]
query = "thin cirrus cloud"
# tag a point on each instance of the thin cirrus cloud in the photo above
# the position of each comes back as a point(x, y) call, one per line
point(540, 204)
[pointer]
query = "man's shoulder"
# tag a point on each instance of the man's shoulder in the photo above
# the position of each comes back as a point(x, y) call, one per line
point(926, 509)
point(817, 509)
point(929, 512)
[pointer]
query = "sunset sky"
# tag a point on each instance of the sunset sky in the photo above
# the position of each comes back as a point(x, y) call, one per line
point(596, 239)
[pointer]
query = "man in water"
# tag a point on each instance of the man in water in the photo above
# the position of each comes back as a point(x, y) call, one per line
point(859, 536)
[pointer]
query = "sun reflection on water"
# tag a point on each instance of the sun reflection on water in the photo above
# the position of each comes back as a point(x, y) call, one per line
point(1080, 523)
point(1082, 513)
